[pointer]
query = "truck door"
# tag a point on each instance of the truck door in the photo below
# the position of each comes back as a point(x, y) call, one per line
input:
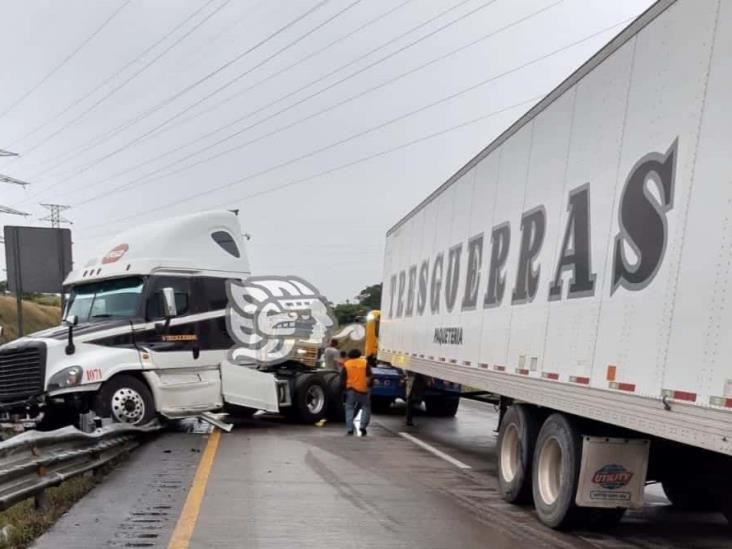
point(244, 385)
point(184, 382)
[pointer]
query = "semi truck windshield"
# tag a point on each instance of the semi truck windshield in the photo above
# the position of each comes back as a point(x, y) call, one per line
point(104, 300)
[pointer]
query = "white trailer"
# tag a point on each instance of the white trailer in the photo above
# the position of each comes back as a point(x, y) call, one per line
point(579, 267)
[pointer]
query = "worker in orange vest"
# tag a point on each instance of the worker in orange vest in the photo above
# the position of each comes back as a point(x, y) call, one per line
point(356, 375)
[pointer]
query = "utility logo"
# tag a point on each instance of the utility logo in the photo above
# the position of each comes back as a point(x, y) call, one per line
point(612, 476)
point(115, 254)
point(267, 316)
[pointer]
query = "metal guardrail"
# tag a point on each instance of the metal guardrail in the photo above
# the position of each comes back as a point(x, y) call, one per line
point(33, 461)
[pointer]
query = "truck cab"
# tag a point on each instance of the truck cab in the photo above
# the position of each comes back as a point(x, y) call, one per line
point(145, 333)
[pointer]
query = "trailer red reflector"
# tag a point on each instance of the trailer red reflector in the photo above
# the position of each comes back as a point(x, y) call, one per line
point(679, 395)
point(522, 371)
point(579, 379)
point(431, 357)
point(550, 375)
point(483, 365)
point(453, 361)
point(628, 387)
point(499, 368)
point(466, 363)
point(442, 359)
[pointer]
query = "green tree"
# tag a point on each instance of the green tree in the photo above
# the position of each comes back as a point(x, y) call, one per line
point(370, 297)
point(347, 313)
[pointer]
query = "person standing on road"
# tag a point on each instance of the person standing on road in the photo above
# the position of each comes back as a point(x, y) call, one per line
point(330, 355)
point(357, 380)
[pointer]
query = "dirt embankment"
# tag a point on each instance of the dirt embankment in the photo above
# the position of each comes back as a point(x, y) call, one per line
point(35, 317)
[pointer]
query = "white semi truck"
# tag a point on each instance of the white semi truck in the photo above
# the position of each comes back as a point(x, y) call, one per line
point(145, 334)
point(579, 267)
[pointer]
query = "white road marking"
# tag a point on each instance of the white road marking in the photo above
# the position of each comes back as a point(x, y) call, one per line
point(456, 462)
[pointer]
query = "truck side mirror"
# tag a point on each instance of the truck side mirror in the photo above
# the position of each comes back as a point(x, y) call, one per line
point(169, 308)
point(71, 320)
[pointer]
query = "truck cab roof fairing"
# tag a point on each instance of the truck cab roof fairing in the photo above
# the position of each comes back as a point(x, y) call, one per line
point(184, 243)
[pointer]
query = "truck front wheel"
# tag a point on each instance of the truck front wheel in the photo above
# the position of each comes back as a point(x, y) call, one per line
point(125, 399)
point(310, 399)
point(516, 439)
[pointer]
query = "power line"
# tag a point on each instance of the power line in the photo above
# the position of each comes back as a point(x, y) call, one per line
point(7, 153)
point(148, 133)
point(103, 138)
point(342, 166)
point(64, 61)
point(110, 78)
point(260, 82)
point(139, 139)
point(129, 79)
point(330, 170)
point(146, 177)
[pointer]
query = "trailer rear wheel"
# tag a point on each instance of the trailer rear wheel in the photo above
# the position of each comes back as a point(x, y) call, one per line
point(442, 406)
point(516, 439)
point(125, 399)
point(555, 471)
point(310, 399)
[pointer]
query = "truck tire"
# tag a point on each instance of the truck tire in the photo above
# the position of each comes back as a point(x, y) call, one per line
point(309, 399)
point(336, 398)
point(441, 406)
point(125, 399)
point(689, 493)
point(555, 471)
point(380, 404)
point(515, 453)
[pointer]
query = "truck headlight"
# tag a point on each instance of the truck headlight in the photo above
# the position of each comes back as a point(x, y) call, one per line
point(68, 377)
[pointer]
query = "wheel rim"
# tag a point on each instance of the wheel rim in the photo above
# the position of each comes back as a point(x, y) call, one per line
point(549, 474)
point(315, 399)
point(510, 452)
point(128, 405)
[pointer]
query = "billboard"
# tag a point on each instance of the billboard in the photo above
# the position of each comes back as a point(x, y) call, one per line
point(38, 258)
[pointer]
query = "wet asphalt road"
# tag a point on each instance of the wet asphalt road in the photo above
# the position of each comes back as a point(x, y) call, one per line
point(277, 485)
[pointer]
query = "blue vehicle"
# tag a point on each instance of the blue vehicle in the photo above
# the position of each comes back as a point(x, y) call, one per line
point(441, 398)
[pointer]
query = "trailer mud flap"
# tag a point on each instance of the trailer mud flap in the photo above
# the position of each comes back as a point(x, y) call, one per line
point(613, 472)
point(245, 386)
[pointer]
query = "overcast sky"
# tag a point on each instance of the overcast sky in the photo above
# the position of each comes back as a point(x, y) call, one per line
point(324, 122)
